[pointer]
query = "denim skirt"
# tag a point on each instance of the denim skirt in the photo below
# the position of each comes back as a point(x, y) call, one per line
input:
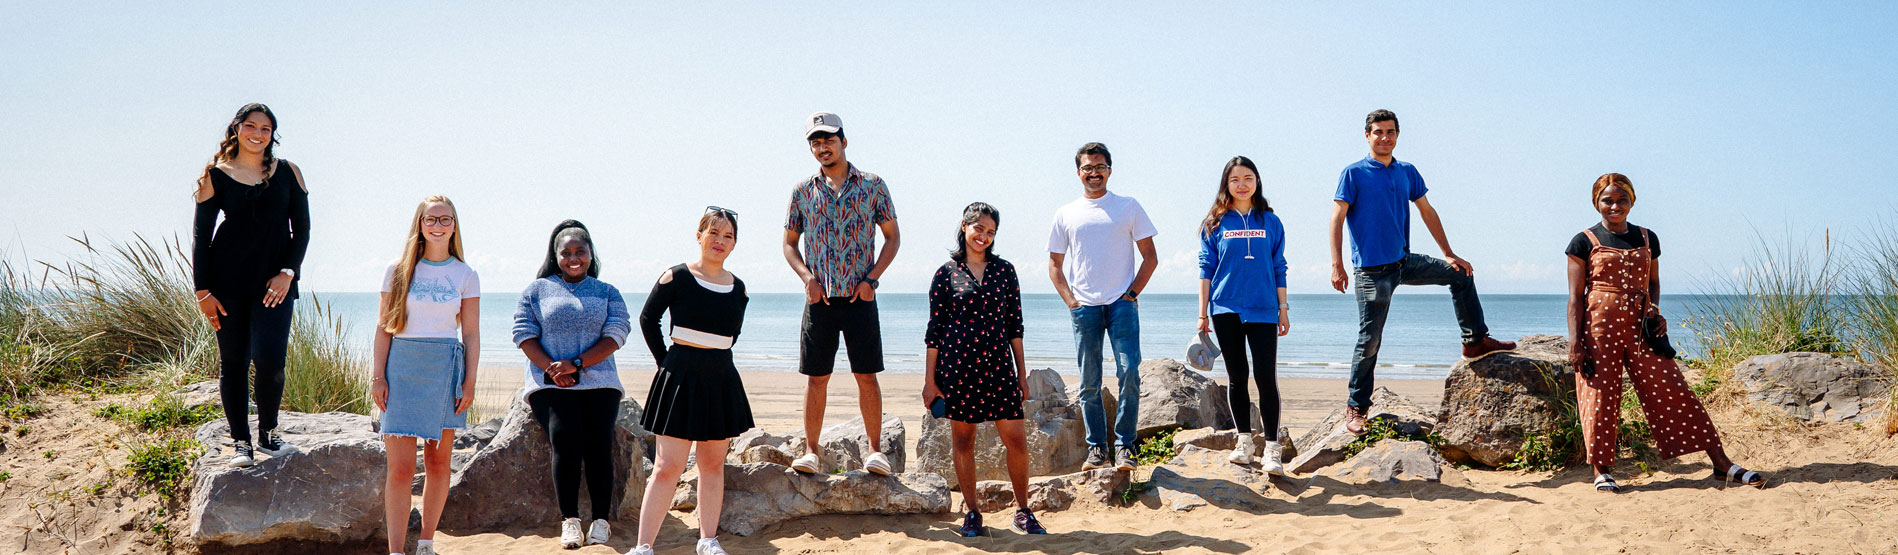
point(424, 375)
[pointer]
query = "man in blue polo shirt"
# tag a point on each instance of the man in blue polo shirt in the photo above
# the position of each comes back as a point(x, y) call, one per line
point(1373, 197)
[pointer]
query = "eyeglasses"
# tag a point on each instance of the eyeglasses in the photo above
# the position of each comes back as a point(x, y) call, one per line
point(720, 210)
point(443, 221)
point(1095, 168)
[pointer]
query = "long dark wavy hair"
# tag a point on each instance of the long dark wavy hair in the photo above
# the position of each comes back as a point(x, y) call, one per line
point(971, 214)
point(1222, 203)
point(227, 149)
point(551, 266)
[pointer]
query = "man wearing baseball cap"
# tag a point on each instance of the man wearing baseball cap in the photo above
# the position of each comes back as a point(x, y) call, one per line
point(834, 214)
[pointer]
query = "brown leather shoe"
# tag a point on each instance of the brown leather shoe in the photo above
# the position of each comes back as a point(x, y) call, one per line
point(1486, 345)
point(1354, 420)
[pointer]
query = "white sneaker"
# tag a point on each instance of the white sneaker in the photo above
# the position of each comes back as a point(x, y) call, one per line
point(599, 532)
point(1270, 464)
point(1242, 452)
point(425, 547)
point(876, 463)
point(709, 546)
point(641, 550)
point(806, 464)
point(570, 533)
point(246, 455)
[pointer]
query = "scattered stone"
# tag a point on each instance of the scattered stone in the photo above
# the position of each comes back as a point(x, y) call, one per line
point(509, 481)
point(765, 454)
point(330, 492)
point(1393, 460)
point(1055, 493)
point(204, 393)
point(1323, 445)
point(1493, 404)
point(1056, 437)
point(1815, 386)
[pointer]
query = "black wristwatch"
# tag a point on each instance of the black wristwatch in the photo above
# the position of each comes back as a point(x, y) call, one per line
point(1132, 294)
point(871, 281)
point(576, 364)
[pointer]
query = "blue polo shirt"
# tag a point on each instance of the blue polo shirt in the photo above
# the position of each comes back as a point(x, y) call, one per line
point(1379, 216)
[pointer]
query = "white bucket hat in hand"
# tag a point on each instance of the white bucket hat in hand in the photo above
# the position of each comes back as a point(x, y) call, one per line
point(1200, 352)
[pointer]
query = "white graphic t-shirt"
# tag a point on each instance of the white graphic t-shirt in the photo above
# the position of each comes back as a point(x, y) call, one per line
point(435, 295)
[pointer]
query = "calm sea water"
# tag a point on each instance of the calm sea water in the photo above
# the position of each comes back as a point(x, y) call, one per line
point(1420, 338)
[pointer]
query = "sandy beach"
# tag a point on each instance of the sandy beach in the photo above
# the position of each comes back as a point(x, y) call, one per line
point(1833, 491)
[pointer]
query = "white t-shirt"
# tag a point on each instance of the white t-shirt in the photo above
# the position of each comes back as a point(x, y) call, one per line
point(1097, 236)
point(435, 295)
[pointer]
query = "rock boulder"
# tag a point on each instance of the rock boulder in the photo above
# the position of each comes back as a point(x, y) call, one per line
point(1324, 444)
point(1174, 396)
point(1814, 386)
point(1493, 404)
point(1392, 460)
point(845, 444)
point(1055, 493)
point(760, 494)
point(330, 492)
point(1056, 436)
point(509, 481)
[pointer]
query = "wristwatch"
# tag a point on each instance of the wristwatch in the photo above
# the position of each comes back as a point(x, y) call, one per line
point(576, 364)
point(1132, 294)
point(289, 272)
point(871, 281)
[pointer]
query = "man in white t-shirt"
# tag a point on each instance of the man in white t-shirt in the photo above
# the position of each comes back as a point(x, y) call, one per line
point(1091, 261)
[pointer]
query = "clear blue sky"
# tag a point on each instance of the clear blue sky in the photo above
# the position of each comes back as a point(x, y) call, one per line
point(1728, 118)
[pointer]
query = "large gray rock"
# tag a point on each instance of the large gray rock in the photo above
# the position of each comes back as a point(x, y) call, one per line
point(200, 394)
point(330, 492)
point(1197, 477)
point(845, 444)
point(1493, 404)
point(1815, 386)
point(1057, 439)
point(1226, 440)
point(1391, 461)
point(760, 494)
point(755, 437)
point(509, 480)
point(1174, 396)
point(1055, 493)
point(1324, 444)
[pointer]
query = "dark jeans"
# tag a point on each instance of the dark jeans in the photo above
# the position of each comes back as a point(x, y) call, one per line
point(1120, 323)
point(856, 321)
point(1374, 287)
point(579, 425)
point(252, 334)
point(1234, 336)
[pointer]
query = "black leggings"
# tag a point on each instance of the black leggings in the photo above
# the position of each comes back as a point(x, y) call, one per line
point(251, 333)
point(579, 426)
point(1234, 335)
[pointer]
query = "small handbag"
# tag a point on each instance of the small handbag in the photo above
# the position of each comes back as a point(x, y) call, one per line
point(1654, 332)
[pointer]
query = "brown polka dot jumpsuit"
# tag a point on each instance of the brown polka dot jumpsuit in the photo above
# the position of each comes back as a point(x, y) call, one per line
point(1617, 298)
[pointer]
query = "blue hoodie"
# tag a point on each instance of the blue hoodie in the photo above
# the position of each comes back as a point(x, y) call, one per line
point(1248, 287)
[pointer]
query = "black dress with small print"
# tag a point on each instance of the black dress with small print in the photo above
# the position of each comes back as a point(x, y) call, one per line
point(972, 326)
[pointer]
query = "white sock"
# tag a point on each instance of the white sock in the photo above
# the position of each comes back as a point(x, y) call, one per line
point(419, 544)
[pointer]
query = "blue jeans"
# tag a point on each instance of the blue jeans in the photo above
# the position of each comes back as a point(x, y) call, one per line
point(1120, 321)
point(1374, 286)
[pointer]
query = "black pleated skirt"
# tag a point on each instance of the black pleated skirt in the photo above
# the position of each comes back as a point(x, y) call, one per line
point(697, 395)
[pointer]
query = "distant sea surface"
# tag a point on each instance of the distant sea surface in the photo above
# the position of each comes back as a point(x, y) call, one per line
point(1420, 337)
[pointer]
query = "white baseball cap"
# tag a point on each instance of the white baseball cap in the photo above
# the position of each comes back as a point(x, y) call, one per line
point(825, 122)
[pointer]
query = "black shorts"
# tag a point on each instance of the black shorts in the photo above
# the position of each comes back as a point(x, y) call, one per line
point(856, 321)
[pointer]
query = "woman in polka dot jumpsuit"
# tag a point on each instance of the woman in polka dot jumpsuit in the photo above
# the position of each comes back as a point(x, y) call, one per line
point(974, 358)
point(1610, 290)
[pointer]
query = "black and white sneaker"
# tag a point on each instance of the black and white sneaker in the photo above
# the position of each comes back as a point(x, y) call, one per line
point(1096, 458)
point(245, 455)
point(273, 444)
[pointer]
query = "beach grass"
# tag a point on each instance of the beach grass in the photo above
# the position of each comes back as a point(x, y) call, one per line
point(1873, 289)
point(1784, 299)
point(121, 318)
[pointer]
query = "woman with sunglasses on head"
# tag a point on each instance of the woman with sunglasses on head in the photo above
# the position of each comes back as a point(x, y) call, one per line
point(427, 348)
point(697, 396)
point(244, 270)
point(569, 323)
point(1242, 300)
point(1614, 277)
point(973, 362)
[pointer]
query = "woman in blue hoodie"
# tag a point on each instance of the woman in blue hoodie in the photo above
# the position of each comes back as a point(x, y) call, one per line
point(1242, 300)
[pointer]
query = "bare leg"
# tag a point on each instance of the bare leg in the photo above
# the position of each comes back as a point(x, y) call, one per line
point(870, 398)
point(814, 411)
point(435, 486)
point(711, 485)
point(1719, 457)
point(962, 449)
point(1015, 439)
point(397, 484)
point(667, 467)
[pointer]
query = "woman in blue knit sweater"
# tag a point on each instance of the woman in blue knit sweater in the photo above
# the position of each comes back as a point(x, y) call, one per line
point(569, 323)
point(1242, 300)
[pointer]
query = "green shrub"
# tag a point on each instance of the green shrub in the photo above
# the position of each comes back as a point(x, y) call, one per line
point(1379, 429)
point(1873, 284)
point(166, 412)
point(164, 464)
point(1157, 449)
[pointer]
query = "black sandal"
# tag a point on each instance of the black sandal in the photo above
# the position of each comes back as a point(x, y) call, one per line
point(1606, 484)
point(1740, 476)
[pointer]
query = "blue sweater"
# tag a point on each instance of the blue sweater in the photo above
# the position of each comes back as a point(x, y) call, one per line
point(567, 322)
point(1248, 287)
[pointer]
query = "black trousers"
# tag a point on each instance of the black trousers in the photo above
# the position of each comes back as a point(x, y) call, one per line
point(579, 426)
point(1234, 336)
point(252, 334)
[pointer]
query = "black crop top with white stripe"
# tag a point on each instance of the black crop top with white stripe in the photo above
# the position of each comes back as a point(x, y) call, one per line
point(693, 307)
